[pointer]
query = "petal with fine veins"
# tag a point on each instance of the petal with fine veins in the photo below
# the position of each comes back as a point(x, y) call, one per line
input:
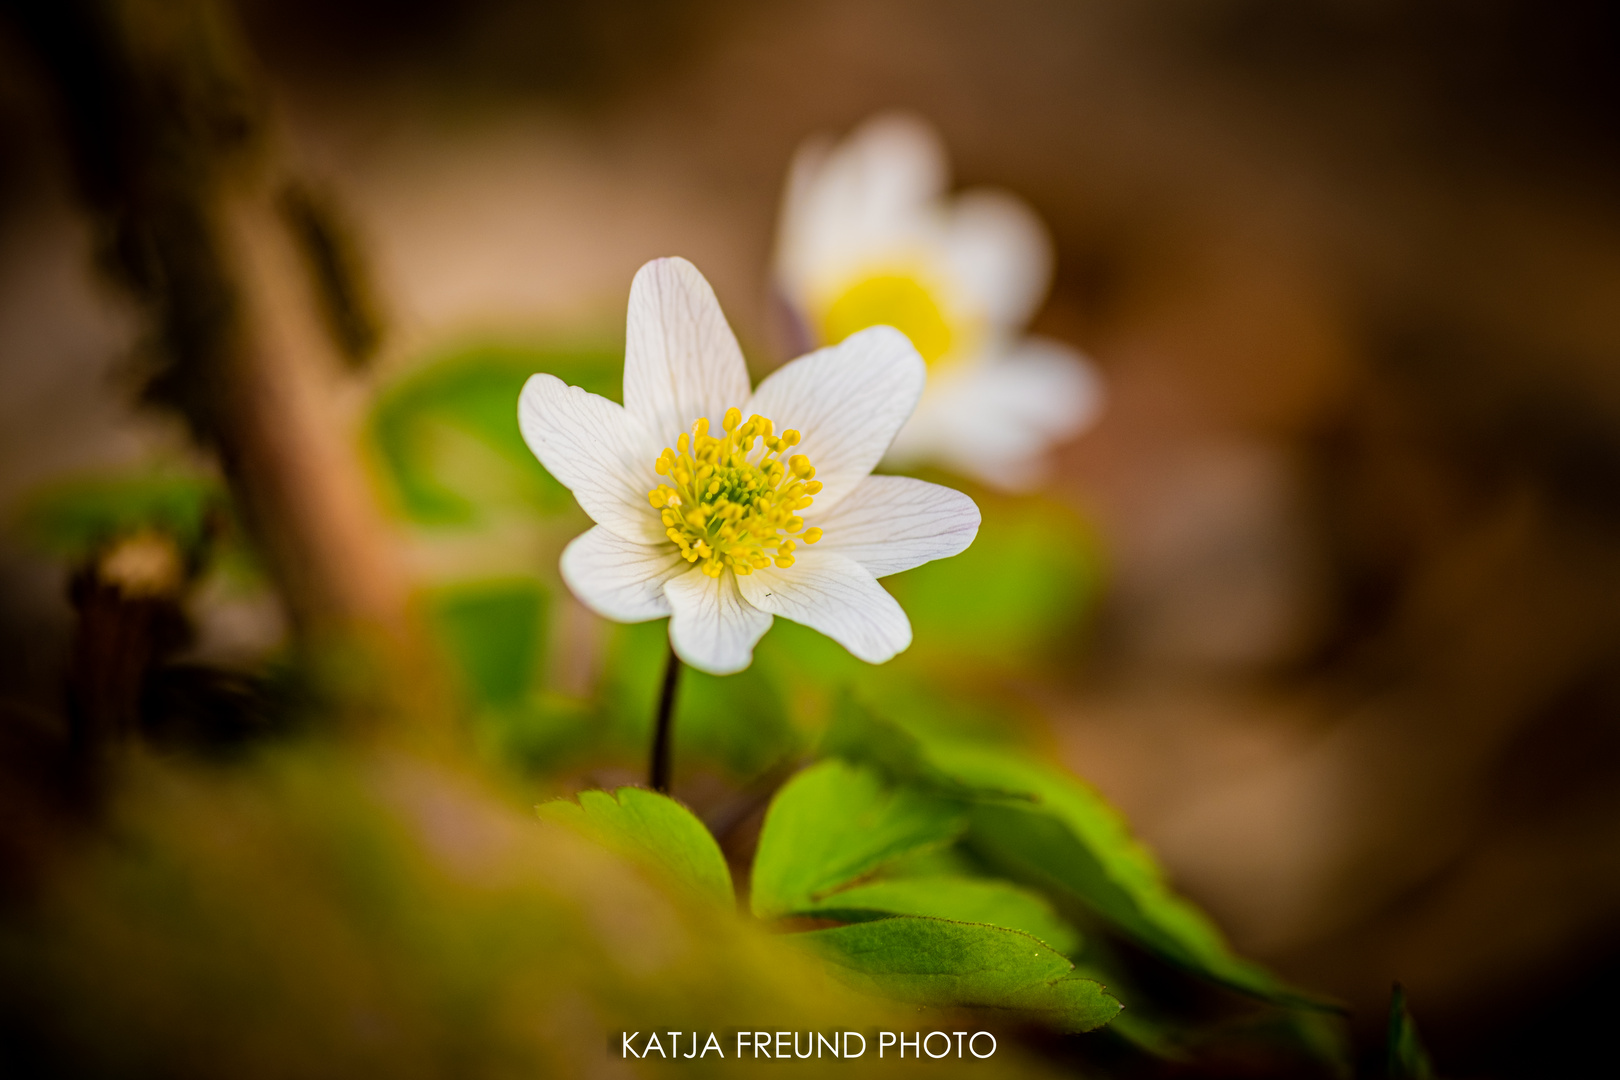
point(837, 596)
point(848, 401)
point(597, 450)
point(681, 360)
point(618, 579)
point(893, 523)
point(713, 629)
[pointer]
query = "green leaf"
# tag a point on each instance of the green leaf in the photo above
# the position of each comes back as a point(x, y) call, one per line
point(833, 823)
point(928, 961)
point(421, 428)
point(1075, 843)
point(652, 829)
point(493, 631)
point(961, 899)
point(1407, 1058)
point(1046, 827)
point(74, 518)
point(855, 733)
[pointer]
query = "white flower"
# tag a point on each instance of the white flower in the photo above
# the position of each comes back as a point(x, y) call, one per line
point(722, 506)
point(867, 237)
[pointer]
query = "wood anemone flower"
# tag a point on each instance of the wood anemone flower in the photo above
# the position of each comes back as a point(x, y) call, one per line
point(721, 506)
point(868, 237)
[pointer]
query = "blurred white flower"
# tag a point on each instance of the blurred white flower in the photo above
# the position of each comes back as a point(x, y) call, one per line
point(868, 237)
point(721, 522)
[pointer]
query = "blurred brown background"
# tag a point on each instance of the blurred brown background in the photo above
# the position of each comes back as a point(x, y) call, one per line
point(1352, 270)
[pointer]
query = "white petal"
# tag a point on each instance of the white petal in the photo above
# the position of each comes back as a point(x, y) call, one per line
point(681, 360)
point(995, 420)
point(859, 201)
point(596, 450)
point(837, 596)
point(1000, 254)
point(848, 402)
point(900, 161)
point(714, 629)
point(892, 523)
point(620, 580)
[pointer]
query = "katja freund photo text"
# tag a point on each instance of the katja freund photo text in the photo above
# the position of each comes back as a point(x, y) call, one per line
point(779, 1045)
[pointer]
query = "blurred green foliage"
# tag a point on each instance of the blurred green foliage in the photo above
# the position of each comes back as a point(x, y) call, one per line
point(434, 478)
point(494, 632)
point(1407, 1059)
point(73, 519)
point(738, 724)
point(1029, 578)
point(327, 913)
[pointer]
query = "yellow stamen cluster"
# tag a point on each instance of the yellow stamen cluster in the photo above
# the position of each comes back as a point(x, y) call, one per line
point(898, 300)
point(723, 509)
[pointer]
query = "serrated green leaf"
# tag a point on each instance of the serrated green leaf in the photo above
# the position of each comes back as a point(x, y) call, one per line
point(1407, 1058)
point(1075, 842)
point(1046, 827)
point(960, 899)
point(835, 822)
point(856, 733)
point(928, 961)
point(473, 393)
point(653, 829)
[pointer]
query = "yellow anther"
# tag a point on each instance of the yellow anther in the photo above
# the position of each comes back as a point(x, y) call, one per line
point(732, 501)
point(813, 487)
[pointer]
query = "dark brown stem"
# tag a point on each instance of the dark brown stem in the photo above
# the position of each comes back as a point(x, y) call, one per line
point(172, 133)
point(659, 770)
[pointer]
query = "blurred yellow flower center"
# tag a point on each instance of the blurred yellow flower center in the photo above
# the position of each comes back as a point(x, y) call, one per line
point(726, 506)
point(895, 300)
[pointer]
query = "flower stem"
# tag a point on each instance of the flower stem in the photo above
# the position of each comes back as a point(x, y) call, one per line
point(659, 770)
